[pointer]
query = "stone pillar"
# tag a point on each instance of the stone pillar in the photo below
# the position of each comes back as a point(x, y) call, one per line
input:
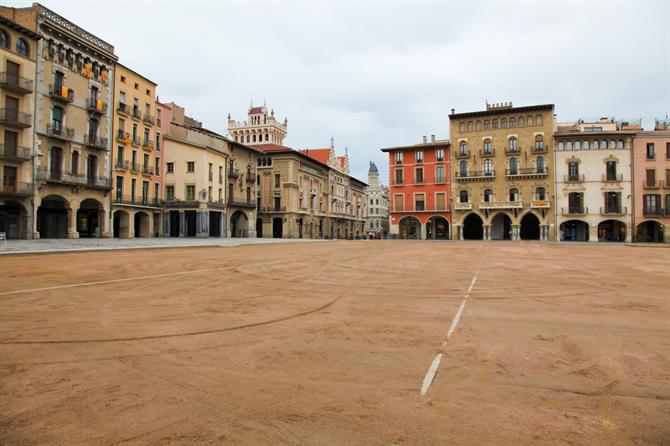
point(166, 224)
point(487, 232)
point(202, 224)
point(515, 232)
point(131, 224)
point(593, 232)
point(222, 224)
point(459, 232)
point(72, 223)
point(182, 224)
point(105, 219)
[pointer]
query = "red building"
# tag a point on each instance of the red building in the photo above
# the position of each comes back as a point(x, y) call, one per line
point(420, 192)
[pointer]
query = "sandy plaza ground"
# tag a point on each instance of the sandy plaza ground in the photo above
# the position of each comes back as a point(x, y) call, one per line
point(331, 342)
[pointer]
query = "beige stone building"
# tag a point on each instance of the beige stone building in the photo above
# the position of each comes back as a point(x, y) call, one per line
point(503, 173)
point(210, 181)
point(261, 127)
point(18, 47)
point(74, 90)
point(136, 157)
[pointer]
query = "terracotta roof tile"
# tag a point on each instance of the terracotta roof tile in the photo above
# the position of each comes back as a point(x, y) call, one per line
point(254, 110)
point(273, 148)
point(321, 155)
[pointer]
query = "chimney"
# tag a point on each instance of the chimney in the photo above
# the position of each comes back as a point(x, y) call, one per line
point(425, 140)
point(453, 110)
point(432, 138)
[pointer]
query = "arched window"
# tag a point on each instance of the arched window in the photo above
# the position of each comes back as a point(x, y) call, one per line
point(603, 144)
point(539, 142)
point(260, 161)
point(461, 127)
point(4, 39)
point(470, 126)
point(578, 145)
point(612, 144)
point(463, 168)
point(254, 138)
point(248, 138)
point(540, 164)
point(560, 145)
point(478, 125)
point(488, 168)
point(267, 136)
point(522, 122)
point(586, 145)
point(619, 144)
point(539, 193)
point(538, 120)
point(487, 146)
point(529, 121)
point(512, 123)
point(22, 47)
point(463, 196)
point(488, 195)
point(463, 148)
point(503, 123)
point(568, 145)
point(494, 123)
point(513, 166)
point(74, 169)
point(487, 124)
point(512, 144)
point(514, 194)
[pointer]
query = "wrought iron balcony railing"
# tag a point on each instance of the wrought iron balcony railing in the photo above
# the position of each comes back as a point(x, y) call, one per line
point(16, 83)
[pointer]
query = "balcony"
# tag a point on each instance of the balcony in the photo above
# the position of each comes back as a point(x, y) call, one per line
point(96, 106)
point(487, 153)
point(650, 185)
point(538, 149)
point(532, 172)
point(575, 210)
point(147, 170)
point(147, 144)
point(270, 209)
point(135, 167)
point(540, 204)
point(512, 151)
point(135, 140)
point(242, 203)
point(149, 119)
point(501, 205)
point(121, 165)
point(136, 201)
point(61, 94)
point(216, 204)
point(16, 189)
point(612, 178)
point(122, 136)
point(251, 178)
point(13, 118)
point(462, 206)
point(173, 202)
point(613, 210)
point(462, 154)
point(573, 178)
point(135, 113)
point(17, 84)
point(70, 179)
point(14, 153)
point(57, 131)
point(477, 175)
point(96, 142)
point(123, 109)
point(233, 174)
point(653, 212)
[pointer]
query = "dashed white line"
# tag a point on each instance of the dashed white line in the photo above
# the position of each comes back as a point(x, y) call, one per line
point(428, 379)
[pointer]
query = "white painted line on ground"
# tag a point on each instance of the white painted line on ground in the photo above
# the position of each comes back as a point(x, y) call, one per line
point(428, 379)
point(472, 284)
point(102, 282)
point(457, 318)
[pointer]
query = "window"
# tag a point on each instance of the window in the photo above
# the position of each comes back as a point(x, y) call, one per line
point(190, 192)
point(487, 146)
point(277, 180)
point(419, 202)
point(522, 122)
point(488, 195)
point(398, 157)
point(487, 124)
point(529, 121)
point(586, 145)
point(612, 144)
point(418, 175)
point(568, 145)
point(461, 127)
point(190, 166)
point(488, 168)
point(463, 148)
point(398, 202)
point(4, 39)
point(610, 170)
point(576, 203)
point(169, 167)
point(540, 193)
point(513, 166)
point(514, 194)
point(650, 151)
point(463, 196)
point(494, 123)
point(439, 154)
point(619, 144)
point(57, 118)
point(667, 152)
point(650, 177)
point(613, 202)
point(158, 142)
point(277, 203)
point(560, 146)
point(398, 176)
point(512, 144)
point(440, 201)
point(22, 47)
point(512, 123)
point(463, 169)
point(439, 174)
point(478, 125)
point(540, 164)
point(578, 145)
point(419, 156)
point(75, 163)
point(667, 179)
point(539, 143)
point(169, 192)
point(538, 120)
point(157, 166)
point(119, 188)
point(503, 123)
point(471, 126)
point(652, 204)
point(573, 171)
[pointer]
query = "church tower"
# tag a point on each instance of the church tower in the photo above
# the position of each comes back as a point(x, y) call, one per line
point(260, 127)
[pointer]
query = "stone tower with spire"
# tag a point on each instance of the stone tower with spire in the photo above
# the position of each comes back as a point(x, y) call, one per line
point(377, 209)
point(260, 128)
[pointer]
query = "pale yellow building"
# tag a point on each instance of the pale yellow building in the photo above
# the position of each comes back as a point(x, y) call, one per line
point(18, 47)
point(136, 157)
point(503, 173)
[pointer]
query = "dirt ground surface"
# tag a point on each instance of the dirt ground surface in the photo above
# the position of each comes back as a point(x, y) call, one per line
point(329, 343)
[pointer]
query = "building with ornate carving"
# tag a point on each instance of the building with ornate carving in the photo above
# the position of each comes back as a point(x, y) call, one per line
point(503, 173)
point(18, 48)
point(73, 126)
point(420, 190)
point(260, 127)
point(136, 157)
point(377, 209)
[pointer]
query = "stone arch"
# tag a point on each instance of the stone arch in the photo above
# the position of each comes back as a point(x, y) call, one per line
point(142, 224)
point(410, 228)
point(650, 231)
point(473, 227)
point(501, 226)
point(612, 230)
point(90, 215)
point(121, 224)
point(14, 219)
point(530, 227)
point(239, 224)
point(437, 228)
point(53, 215)
point(574, 231)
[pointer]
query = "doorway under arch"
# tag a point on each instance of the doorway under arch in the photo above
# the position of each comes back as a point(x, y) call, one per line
point(142, 225)
point(612, 231)
point(13, 220)
point(650, 231)
point(89, 217)
point(410, 228)
point(121, 224)
point(574, 231)
point(239, 224)
point(52, 217)
point(501, 227)
point(473, 227)
point(530, 227)
point(437, 228)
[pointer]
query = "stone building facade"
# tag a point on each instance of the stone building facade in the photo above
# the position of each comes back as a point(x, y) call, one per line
point(74, 90)
point(420, 190)
point(260, 128)
point(18, 48)
point(502, 173)
point(136, 157)
point(651, 184)
point(377, 209)
point(593, 180)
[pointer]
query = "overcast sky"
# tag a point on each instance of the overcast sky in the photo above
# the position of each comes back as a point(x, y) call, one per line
point(380, 74)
